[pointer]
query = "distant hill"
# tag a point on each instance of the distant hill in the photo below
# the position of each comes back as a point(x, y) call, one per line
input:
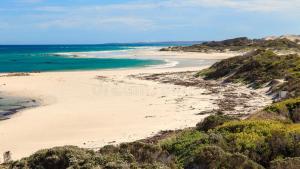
point(241, 44)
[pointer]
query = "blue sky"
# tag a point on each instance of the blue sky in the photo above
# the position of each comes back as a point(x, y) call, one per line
point(101, 21)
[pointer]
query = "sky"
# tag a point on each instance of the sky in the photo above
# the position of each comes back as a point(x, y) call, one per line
point(106, 21)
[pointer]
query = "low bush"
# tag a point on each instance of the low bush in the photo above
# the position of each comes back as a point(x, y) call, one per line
point(261, 140)
point(183, 145)
point(289, 108)
point(60, 158)
point(287, 163)
point(211, 157)
point(213, 121)
point(130, 155)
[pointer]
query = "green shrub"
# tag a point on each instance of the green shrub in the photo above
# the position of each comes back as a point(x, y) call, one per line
point(287, 163)
point(136, 154)
point(146, 153)
point(213, 121)
point(60, 158)
point(183, 145)
point(129, 155)
point(289, 108)
point(261, 140)
point(211, 157)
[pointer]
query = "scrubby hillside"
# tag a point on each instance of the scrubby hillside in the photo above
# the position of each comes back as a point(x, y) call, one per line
point(264, 68)
point(256, 68)
point(240, 44)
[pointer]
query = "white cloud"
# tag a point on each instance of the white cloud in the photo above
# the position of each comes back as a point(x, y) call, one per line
point(141, 15)
point(245, 5)
point(98, 23)
point(95, 16)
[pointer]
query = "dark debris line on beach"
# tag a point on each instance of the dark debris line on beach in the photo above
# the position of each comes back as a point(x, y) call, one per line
point(227, 103)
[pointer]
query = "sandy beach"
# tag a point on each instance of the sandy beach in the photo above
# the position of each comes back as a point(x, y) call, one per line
point(94, 108)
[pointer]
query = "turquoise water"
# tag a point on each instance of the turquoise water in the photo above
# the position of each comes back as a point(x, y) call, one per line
point(40, 58)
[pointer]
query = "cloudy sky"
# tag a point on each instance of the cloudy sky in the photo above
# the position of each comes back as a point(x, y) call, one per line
point(101, 21)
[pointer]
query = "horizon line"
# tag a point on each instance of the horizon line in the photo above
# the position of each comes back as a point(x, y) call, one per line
point(108, 43)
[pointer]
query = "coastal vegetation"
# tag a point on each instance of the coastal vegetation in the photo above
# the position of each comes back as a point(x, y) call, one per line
point(288, 109)
point(264, 68)
point(256, 68)
point(249, 143)
point(241, 44)
point(269, 138)
point(130, 155)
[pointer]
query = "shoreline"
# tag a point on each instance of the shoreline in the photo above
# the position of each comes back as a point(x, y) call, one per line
point(90, 109)
point(11, 105)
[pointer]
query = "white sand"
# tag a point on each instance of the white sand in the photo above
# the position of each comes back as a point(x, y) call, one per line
point(81, 109)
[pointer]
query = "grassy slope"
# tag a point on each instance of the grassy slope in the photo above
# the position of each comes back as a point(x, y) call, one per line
point(257, 68)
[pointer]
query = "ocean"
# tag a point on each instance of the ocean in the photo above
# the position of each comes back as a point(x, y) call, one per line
point(44, 58)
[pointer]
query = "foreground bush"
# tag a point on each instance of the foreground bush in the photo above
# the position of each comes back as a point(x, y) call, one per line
point(183, 145)
point(289, 108)
point(137, 154)
point(131, 155)
point(288, 163)
point(211, 157)
point(213, 121)
point(60, 158)
point(261, 141)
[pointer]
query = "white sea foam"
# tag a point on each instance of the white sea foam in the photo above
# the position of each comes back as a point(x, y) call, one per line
point(126, 53)
point(168, 64)
point(133, 53)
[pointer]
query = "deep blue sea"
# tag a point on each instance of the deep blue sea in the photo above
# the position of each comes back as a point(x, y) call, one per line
point(41, 58)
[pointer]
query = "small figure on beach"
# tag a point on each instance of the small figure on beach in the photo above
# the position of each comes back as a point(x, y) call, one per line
point(7, 157)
